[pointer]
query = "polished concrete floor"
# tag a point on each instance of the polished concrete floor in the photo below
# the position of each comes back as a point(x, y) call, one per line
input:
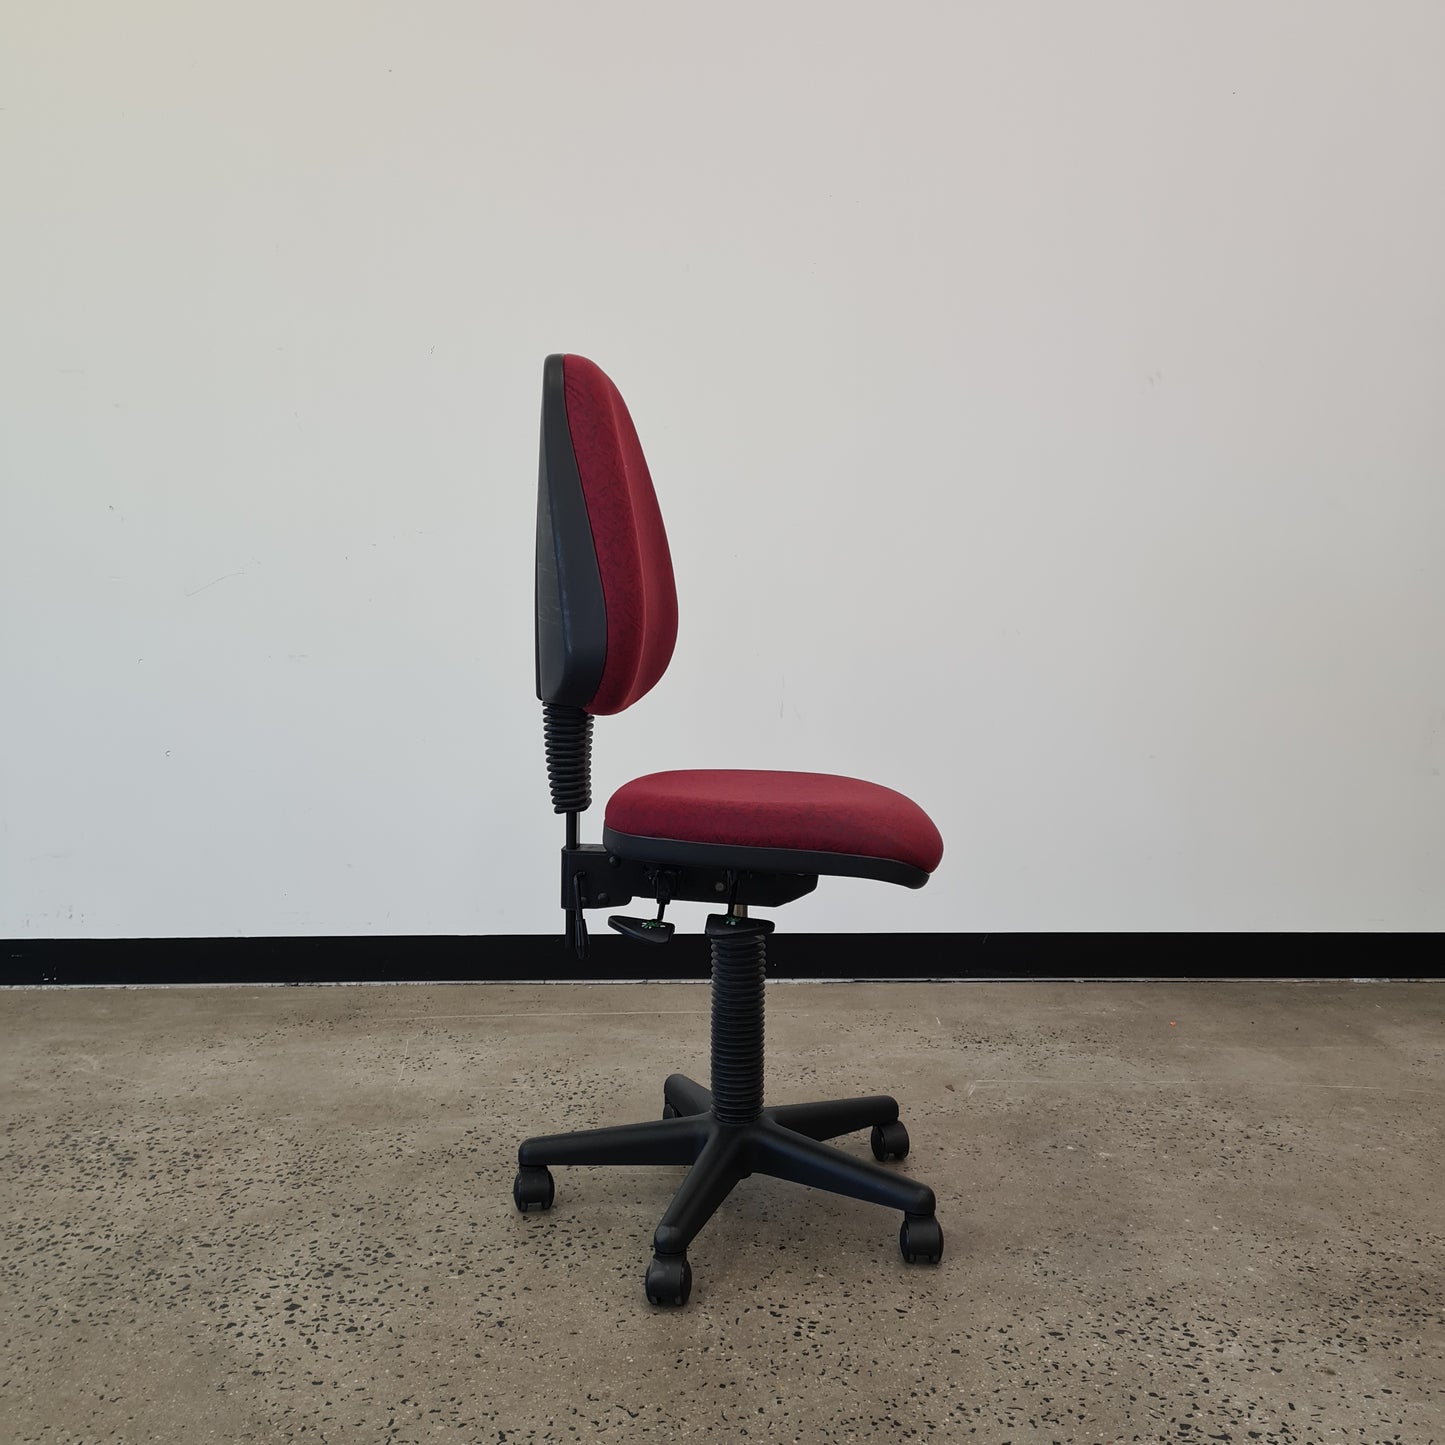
point(1174, 1212)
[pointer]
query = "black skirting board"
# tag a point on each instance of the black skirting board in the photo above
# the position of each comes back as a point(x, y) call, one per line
point(445, 958)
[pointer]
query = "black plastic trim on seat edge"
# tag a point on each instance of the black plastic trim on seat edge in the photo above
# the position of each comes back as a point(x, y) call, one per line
point(760, 860)
point(571, 614)
point(450, 958)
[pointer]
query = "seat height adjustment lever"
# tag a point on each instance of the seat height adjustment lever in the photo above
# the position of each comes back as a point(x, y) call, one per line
point(643, 930)
point(648, 930)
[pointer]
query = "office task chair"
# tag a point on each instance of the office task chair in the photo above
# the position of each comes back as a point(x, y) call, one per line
point(605, 629)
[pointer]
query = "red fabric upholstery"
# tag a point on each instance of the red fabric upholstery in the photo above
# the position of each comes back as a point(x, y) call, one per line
point(627, 532)
point(750, 809)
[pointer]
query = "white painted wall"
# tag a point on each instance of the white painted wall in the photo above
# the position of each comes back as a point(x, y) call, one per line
point(1046, 402)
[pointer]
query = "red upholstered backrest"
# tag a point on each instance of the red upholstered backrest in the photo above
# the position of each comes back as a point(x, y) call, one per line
point(627, 534)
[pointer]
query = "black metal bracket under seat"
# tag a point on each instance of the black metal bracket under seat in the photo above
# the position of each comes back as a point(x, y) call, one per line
point(595, 877)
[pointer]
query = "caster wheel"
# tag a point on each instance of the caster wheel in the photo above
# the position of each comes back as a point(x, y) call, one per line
point(921, 1239)
point(889, 1141)
point(669, 1279)
point(668, 1112)
point(533, 1188)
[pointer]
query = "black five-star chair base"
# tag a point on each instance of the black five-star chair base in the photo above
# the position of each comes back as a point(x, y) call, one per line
point(726, 1134)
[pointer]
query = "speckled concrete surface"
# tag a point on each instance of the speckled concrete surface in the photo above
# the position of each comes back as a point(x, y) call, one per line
point(1174, 1212)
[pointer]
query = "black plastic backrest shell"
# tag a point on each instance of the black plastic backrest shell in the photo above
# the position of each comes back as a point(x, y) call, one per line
point(571, 616)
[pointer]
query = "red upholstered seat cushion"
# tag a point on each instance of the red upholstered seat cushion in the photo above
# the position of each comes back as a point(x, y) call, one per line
point(817, 812)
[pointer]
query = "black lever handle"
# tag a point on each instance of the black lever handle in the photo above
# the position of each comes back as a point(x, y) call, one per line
point(643, 930)
point(576, 919)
